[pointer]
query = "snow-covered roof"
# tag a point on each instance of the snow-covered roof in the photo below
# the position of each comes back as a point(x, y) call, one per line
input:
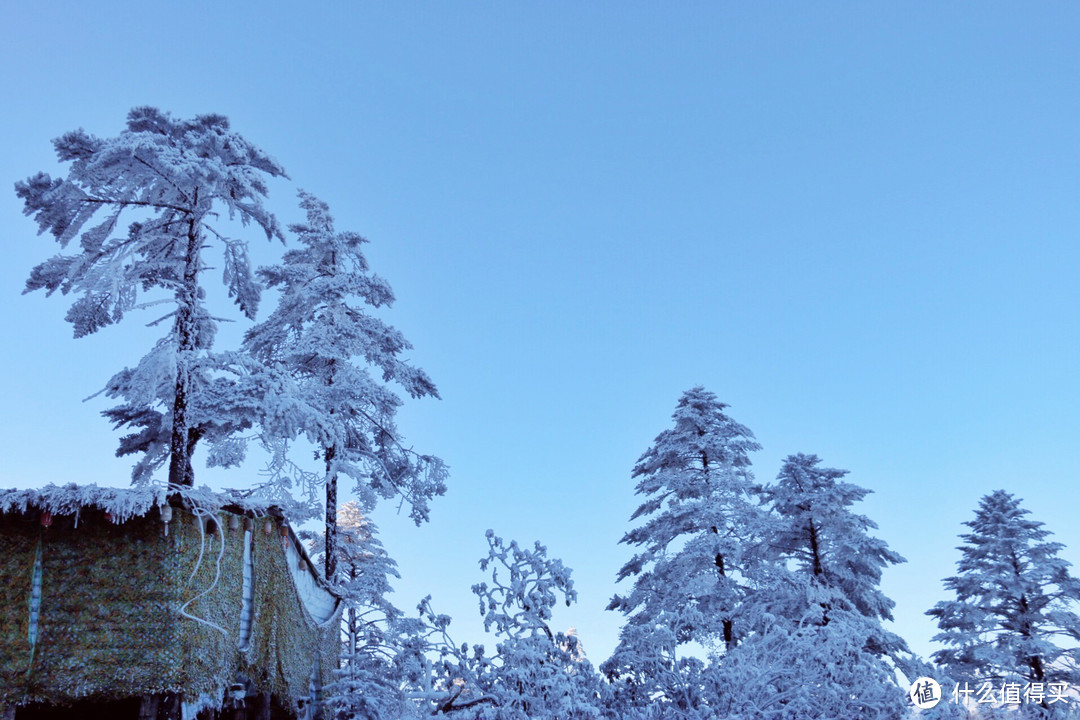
point(126, 503)
point(123, 503)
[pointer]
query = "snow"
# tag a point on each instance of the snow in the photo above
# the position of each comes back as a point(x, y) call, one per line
point(123, 503)
point(319, 602)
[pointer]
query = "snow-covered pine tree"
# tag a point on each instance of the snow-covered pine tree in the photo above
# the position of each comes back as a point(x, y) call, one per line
point(321, 335)
point(1015, 613)
point(368, 683)
point(816, 645)
point(698, 522)
point(169, 180)
point(828, 543)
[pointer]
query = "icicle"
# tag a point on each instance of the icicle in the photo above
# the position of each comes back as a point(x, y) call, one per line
point(166, 517)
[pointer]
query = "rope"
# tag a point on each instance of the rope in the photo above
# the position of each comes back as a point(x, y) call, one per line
point(201, 514)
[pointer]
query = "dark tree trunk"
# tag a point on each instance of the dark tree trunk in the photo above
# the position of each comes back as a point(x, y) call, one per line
point(818, 568)
point(331, 487)
point(815, 551)
point(180, 472)
point(331, 515)
point(729, 627)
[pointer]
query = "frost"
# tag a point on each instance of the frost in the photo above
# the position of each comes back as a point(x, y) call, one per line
point(1016, 602)
point(168, 179)
point(317, 352)
point(123, 503)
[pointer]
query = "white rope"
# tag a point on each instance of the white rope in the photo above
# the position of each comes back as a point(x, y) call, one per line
point(201, 514)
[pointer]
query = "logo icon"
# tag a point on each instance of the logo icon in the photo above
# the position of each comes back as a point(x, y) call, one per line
point(925, 693)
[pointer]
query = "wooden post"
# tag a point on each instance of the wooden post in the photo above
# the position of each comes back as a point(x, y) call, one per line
point(262, 706)
point(169, 707)
point(148, 708)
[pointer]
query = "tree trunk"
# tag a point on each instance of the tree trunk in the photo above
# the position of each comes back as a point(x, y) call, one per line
point(818, 569)
point(331, 515)
point(331, 486)
point(187, 297)
point(729, 627)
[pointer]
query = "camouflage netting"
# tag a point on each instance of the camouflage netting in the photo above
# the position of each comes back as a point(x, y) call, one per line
point(127, 611)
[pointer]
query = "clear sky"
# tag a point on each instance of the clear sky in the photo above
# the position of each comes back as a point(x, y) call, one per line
point(856, 223)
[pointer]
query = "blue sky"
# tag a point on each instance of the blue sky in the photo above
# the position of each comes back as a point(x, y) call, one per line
point(856, 223)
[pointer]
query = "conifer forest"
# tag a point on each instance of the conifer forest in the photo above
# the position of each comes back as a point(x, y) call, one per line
point(606, 362)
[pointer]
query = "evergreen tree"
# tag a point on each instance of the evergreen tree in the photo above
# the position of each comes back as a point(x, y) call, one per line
point(1015, 613)
point(368, 683)
point(815, 530)
point(321, 335)
point(815, 644)
point(697, 529)
point(170, 179)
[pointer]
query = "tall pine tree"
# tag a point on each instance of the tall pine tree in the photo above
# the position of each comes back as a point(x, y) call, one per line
point(815, 531)
point(816, 646)
point(322, 335)
point(1015, 613)
point(697, 527)
point(169, 180)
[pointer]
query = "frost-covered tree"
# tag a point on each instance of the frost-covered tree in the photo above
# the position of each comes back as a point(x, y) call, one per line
point(697, 526)
point(362, 577)
point(816, 645)
point(1015, 613)
point(540, 673)
point(816, 532)
point(368, 683)
point(323, 334)
point(145, 205)
point(793, 670)
point(651, 678)
point(535, 673)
